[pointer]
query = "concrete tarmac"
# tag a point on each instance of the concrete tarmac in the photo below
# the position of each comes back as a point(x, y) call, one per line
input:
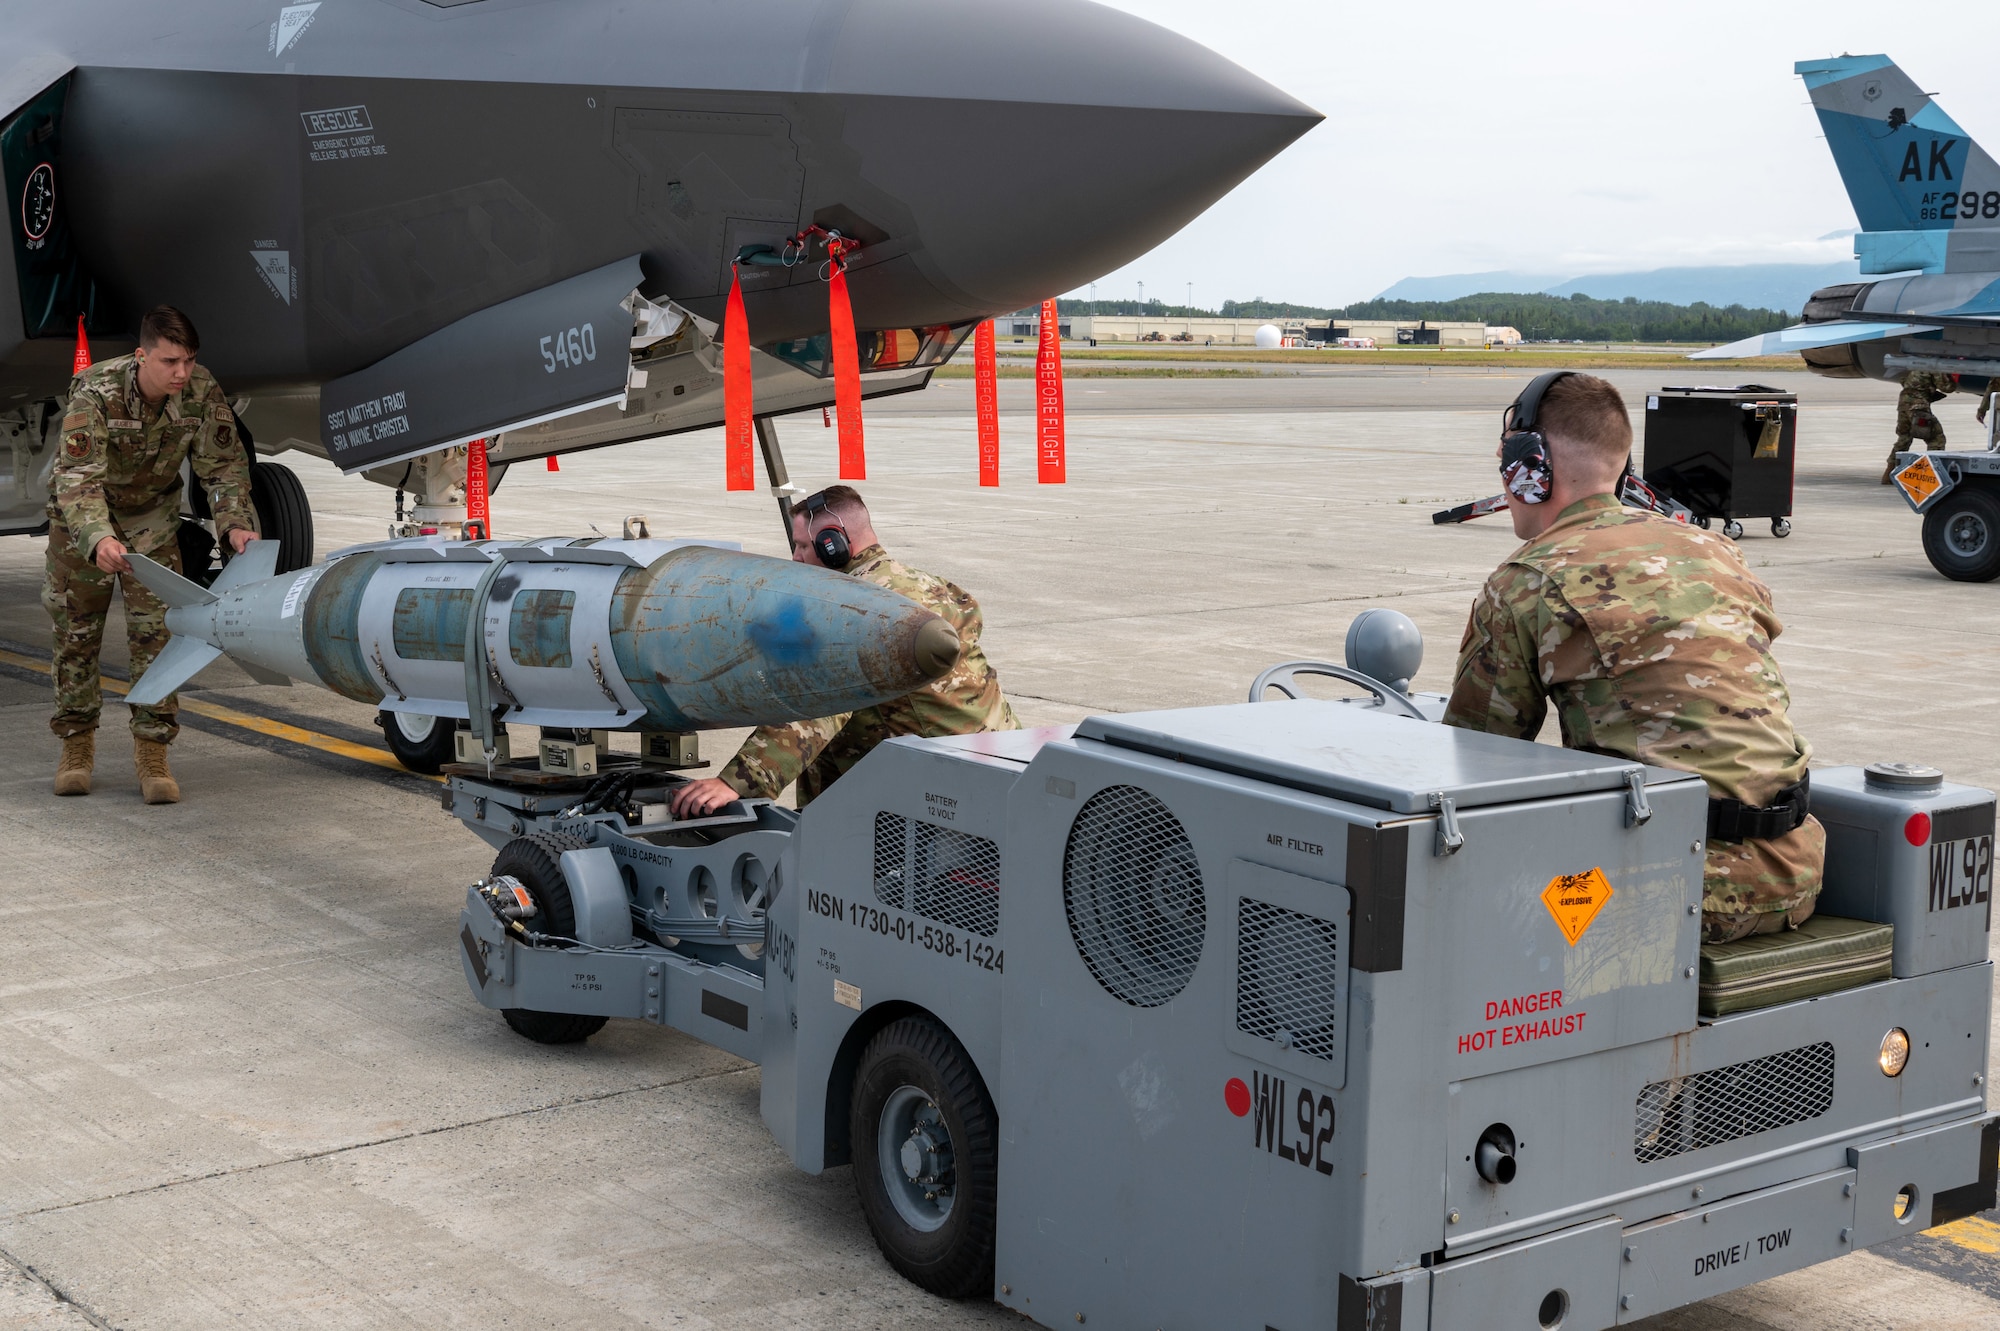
point(242, 1081)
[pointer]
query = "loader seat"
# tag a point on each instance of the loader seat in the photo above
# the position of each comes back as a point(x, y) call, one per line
point(1822, 956)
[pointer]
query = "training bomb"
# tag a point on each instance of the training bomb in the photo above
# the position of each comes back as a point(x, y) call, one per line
point(609, 635)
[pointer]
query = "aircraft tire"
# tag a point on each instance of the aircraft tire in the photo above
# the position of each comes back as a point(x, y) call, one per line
point(197, 553)
point(283, 514)
point(913, 1084)
point(420, 748)
point(1962, 534)
point(535, 860)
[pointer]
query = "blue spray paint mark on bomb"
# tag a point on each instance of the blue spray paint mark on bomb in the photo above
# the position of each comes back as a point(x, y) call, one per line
point(784, 635)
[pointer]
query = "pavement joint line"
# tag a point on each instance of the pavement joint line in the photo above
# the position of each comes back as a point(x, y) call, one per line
point(18, 1018)
point(308, 1157)
point(56, 1291)
point(1223, 609)
point(310, 739)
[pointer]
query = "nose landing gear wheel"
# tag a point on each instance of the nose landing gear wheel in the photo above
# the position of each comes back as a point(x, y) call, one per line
point(421, 743)
point(926, 1157)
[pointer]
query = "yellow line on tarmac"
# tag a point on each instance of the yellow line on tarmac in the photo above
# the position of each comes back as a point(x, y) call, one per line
point(310, 739)
point(1974, 1234)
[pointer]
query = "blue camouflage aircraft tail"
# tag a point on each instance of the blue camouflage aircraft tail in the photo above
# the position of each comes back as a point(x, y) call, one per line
point(1926, 195)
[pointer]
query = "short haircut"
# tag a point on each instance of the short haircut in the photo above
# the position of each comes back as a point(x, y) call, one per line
point(844, 500)
point(164, 323)
point(1585, 413)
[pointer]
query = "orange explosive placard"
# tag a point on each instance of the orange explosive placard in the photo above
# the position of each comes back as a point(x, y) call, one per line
point(1574, 900)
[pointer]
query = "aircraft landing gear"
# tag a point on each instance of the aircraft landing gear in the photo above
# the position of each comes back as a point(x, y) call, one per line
point(437, 481)
point(283, 513)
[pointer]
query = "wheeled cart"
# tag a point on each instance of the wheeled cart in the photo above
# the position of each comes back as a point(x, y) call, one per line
point(1958, 494)
point(1726, 453)
point(1294, 1014)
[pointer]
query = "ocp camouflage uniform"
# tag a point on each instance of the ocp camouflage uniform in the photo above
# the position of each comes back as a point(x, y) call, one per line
point(1654, 640)
point(1920, 389)
point(816, 753)
point(119, 475)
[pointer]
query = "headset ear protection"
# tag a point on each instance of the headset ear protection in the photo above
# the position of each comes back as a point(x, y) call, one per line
point(829, 543)
point(1525, 463)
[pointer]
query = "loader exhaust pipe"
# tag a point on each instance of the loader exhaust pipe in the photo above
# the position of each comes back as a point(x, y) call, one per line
point(1494, 1156)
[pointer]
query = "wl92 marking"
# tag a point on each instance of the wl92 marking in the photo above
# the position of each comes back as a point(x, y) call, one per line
point(889, 924)
point(1297, 1127)
point(1961, 873)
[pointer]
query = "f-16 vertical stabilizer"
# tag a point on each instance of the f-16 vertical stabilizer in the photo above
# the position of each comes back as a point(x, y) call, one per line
point(1926, 195)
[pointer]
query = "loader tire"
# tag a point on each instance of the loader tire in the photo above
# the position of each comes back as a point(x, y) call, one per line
point(1962, 534)
point(926, 1157)
point(535, 860)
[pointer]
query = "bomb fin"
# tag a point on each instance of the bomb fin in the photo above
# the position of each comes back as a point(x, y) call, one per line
point(180, 661)
point(258, 562)
point(172, 589)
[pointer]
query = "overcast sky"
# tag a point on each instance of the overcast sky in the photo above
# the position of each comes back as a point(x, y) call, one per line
point(1559, 138)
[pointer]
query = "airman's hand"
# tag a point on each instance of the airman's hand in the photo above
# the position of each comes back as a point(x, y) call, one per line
point(110, 556)
point(240, 538)
point(698, 799)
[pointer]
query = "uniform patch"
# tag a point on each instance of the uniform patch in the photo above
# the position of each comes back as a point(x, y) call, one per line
point(77, 445)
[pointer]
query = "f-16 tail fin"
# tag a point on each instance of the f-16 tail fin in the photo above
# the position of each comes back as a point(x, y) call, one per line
point(1918, 182)
point(180, 661)
point(172, 589)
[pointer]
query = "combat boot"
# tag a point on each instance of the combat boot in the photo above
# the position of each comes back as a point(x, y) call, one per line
point(156, 781)
point(73, 768)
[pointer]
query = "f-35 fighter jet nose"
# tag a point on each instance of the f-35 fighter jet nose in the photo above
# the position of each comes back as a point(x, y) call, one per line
point(1038, 145)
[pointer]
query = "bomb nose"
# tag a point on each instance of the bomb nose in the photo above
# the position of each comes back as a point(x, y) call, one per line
point(937, 648)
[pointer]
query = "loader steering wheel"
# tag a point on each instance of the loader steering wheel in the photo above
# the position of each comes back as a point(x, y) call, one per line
point(1284, 678)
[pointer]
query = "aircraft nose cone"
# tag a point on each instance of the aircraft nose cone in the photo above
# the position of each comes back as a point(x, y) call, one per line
point(1041, 143)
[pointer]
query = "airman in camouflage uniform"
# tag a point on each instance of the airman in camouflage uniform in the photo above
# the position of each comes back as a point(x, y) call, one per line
point(1653, 639)
point(1914, 417)
point(816, 753)
point(118, 479)
point(833, 528)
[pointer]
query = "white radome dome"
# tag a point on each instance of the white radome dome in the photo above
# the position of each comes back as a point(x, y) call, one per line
point(1270, 337)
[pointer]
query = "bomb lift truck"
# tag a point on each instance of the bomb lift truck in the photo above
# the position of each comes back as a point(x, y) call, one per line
point(1292, 1014)
point(1958, 495)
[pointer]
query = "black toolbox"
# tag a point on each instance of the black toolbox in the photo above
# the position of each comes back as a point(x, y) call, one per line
point(1726, 453)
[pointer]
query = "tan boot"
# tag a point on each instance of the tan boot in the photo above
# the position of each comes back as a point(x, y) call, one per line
point(156, 782)
point(73, 768)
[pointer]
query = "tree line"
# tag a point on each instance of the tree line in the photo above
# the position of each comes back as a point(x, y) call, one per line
point(1568, 318)
point(1539, 318)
